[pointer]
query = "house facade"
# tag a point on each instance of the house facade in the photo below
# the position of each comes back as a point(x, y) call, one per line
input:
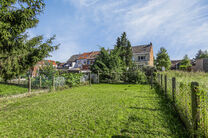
point(82, 61)
point(143, 55)
point(71, 63)
point(201, 65)
point(85, 60)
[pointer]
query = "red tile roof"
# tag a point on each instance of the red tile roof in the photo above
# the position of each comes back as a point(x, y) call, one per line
point(89, 55)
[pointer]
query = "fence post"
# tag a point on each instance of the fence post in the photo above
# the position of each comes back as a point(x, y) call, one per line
point(161, 80)
point(53, 83)
point(90, 77)
point(151, 81)
point(158, 78)
point(166, 85)
point(40, 82)
point(195, 106)
point(19, 80)
point(98, 78)
point(173, 88)
point(108, 77)
point(29, 83)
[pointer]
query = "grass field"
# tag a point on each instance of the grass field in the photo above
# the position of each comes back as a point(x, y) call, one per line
point(105, 110)
point(6, 90)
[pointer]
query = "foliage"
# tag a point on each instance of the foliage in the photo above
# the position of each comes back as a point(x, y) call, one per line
point(163, 59)
point(185, 63)
point(201, 54)
point(48, 71)
point(136, 77)
point(124, 49)
point(97, 111)
point(18, 54)
point(150, 72)
point(113, 63)
point(72, 79)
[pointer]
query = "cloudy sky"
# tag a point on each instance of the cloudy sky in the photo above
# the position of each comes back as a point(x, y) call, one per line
point(181, 26)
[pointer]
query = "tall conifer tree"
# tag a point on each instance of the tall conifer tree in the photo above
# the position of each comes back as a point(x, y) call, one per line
point(17, 53)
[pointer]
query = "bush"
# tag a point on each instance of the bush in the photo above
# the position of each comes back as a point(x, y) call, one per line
point(148, 70)
point(72, 79)
point(137, 77)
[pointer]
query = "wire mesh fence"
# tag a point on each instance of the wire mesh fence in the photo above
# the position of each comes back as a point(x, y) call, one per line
point(190, 100)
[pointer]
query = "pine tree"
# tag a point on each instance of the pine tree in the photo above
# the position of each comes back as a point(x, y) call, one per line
point(17, 53)
point(123, 46)
point(163, 59)
point(201, 54)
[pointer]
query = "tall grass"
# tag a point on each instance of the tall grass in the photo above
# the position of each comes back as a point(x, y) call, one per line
point(183, 99)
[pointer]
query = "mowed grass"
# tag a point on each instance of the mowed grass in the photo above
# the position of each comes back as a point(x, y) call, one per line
point(103, 110)
point(8, 89)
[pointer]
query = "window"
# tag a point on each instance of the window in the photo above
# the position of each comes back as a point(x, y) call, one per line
point(141, 58)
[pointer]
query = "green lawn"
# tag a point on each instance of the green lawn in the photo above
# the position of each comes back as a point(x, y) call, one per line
point(100, 110)
point(7, 89)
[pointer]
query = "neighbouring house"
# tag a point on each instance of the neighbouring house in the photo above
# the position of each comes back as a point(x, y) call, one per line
point(143, 55)
point(201, 65)
point(71, 62)
point(36, 68)
point(62, 66)
point(85, 60)
point(175, 64)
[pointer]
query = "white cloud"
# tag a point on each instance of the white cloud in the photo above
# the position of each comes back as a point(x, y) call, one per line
point(179, 25)
point(86, 3)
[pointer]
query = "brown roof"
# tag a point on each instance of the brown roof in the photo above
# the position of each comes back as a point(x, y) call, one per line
point(89, 55)
point(142, 48)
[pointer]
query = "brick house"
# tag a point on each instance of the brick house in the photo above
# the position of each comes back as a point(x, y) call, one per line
point(143, 55)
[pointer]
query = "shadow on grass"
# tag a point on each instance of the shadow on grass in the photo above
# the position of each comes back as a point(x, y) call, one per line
point(168, 113)
point(143, 108)
point(14, 84)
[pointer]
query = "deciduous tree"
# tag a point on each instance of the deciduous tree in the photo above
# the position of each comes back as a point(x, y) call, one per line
point(163, 59)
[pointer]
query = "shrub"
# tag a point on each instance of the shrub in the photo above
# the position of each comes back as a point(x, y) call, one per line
point(72, 79)
point(137, 77)
point(148, 70)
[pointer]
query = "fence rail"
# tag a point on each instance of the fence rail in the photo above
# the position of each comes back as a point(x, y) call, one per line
point(190, 100)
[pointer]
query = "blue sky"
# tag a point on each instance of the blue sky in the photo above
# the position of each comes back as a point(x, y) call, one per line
point(181, 26)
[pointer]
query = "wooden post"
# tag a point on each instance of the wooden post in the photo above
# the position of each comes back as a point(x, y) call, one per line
point(108, 77)
point(158, 77)
point(40, 82)
point(166, 85)
point(195, 106)
point(90, 78)
point(29, 83)
point(53, 83)
point(151, 81)
point(161, 80)
point(19, 80)
point(173, 88)
point(98, 78)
